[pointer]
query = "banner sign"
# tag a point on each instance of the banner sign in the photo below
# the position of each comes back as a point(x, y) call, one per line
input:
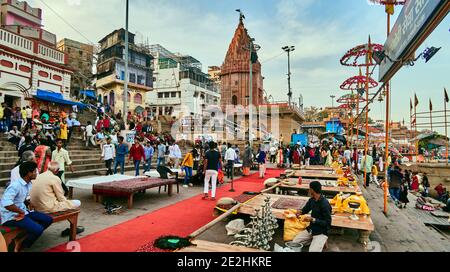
point(414, 18)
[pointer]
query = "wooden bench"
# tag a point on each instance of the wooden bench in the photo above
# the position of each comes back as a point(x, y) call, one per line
point(128, 188)
point(11, 233)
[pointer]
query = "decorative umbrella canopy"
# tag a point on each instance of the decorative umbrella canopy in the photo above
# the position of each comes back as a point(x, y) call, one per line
point(355, 83)
point(327, 135)
point(431, 140)
point(389, 2)
point(351, 98)
point(341, 138)
point(353, 56)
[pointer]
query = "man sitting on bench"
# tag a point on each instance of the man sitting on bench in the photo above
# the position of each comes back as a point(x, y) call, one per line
point(14, 211)
point(47, 194)
point(165, 171)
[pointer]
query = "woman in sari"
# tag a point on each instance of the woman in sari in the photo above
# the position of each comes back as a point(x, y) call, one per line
point(280, 158)
point(43, 157)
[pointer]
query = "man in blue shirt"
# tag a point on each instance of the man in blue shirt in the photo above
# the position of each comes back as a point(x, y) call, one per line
point(13, 209)
point(121, 152)
point(161, 154)
point(148, 151)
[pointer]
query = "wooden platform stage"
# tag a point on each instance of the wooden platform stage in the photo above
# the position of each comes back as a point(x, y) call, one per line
point(314, 174)
point(327, 190)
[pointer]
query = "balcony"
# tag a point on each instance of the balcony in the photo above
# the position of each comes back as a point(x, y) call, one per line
point(50, 54)
point(28, 46)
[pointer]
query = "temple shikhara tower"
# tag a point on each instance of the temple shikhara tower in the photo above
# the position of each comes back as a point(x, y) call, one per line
point(235, 74)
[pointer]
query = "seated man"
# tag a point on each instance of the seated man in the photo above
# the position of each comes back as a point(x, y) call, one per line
point(14, 136)
point(27, 156)
point(165, 171)
point(14, 212)
point(442, 192)
point(317, 233)
point(47, 194)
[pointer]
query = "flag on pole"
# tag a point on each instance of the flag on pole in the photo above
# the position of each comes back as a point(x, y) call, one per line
point(446, 96)
point(416, 101)
point(431, 106)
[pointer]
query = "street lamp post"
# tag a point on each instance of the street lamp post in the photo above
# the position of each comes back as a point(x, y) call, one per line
point(125, 92)
point(253, 48)
point(289, 49)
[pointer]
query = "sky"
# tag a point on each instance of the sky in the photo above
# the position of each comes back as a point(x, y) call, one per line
point(321, 30)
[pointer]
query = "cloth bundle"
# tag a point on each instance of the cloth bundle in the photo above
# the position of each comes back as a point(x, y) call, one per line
point(293, 225)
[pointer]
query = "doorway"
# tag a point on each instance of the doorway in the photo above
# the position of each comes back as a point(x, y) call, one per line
point(12, 101)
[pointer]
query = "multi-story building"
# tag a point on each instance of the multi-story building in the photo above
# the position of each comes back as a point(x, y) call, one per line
point(80, 60)
point(179, 81)
point(214, 74)
point(111, 72)
point(29, 59)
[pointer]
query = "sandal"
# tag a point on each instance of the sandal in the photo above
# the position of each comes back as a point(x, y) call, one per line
point(205, 197)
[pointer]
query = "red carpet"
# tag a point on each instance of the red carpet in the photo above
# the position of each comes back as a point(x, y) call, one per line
point(179, 219)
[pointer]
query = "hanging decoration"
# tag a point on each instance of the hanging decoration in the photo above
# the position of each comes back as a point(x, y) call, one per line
point(351, 98)
point(353, 56)
point(355, 83)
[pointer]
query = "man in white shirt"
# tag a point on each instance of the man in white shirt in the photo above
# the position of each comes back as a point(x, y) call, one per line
point(348, 155)
point(108, 155)
point(175, 154)
point(14, 136)
point(90, 134)
point(29, 112)
point(27, 156)
point(61, 156)
point(273, 154)
point(230, 157)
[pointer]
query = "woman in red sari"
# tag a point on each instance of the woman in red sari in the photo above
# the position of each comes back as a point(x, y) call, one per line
point(43, 157)
point(296, 156)
point(415, 183)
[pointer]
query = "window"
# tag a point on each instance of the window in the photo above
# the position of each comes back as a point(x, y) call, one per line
point(132, 78)
point(160, 95)
point(166, 95)
point(81, 53)
point(137, 98)
point(174, 94)
point(236, 83)
point(179, 94)
point(234, 100)
point(140, 80)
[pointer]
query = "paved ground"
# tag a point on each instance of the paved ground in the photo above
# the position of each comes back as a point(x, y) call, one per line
point(400, 231)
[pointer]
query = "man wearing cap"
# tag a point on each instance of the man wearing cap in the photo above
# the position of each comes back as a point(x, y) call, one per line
point(316, 235)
